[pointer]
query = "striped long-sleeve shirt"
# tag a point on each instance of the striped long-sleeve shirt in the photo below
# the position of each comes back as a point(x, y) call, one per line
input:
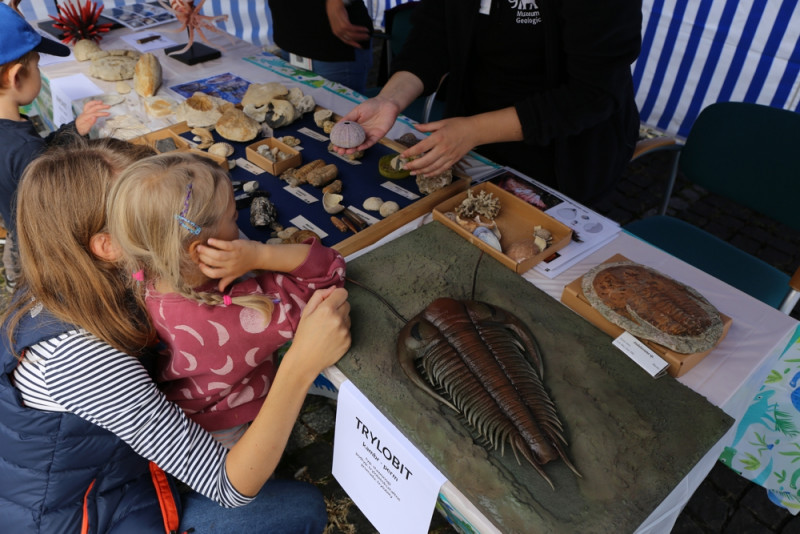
point(76, 372)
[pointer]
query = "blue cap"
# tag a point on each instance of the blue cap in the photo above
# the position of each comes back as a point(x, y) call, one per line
point(17, 38)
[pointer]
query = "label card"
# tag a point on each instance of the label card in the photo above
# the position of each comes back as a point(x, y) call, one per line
point(312, 134)
point(638, 352)
point(250, 167)
point(391, 186)
point(390, 481)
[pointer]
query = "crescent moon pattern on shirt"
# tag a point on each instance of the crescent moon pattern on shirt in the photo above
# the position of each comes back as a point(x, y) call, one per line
point(191, 331)
point(225, 369)
point(244, 395)
point(250, 357)
point(222, 333)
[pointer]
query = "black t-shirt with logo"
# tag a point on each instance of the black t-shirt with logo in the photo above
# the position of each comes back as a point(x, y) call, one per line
point(508, 51)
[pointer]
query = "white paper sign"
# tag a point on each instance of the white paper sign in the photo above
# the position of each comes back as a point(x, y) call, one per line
point(65, 90)
point(390, 481)
point(641, 354)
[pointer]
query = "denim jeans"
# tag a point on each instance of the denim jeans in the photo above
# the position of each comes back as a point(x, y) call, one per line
point(352, 74)
point(281, 507)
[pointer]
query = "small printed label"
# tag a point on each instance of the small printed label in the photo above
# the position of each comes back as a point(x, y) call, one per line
point(393, 187)
point(300, 61)
point(369, 219)
point(350, 161)
point(252, 168)
point(643, 356)
point(301, 194)
point(312, 134)
point(304, 224)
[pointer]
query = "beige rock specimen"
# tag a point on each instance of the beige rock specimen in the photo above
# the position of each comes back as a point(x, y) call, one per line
point(234, 125)
point(113, 68)
point(157, 106)
point(84, 48)
point(258, 94)
point(200, 110)
point(147, 75)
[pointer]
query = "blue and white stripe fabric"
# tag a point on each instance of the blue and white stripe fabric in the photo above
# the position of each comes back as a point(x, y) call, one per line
point(696, 52)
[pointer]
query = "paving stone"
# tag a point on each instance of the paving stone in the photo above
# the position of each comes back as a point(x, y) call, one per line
point(792, 526)
point(322, 419)
point(708, 507)
point(728, 482)
point(687, 525)
point(757, 501)
point(743, 522)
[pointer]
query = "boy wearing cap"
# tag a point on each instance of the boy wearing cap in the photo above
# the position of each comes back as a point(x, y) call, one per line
point(20, 82)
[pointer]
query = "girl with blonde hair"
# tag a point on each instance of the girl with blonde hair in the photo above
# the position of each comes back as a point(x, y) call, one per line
point(83, 427)
point(222, 339)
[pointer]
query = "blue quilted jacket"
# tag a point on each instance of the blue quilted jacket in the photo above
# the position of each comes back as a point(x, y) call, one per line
point(61, 473)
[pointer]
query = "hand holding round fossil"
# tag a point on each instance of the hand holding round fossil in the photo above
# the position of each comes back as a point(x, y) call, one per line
point(347, 134)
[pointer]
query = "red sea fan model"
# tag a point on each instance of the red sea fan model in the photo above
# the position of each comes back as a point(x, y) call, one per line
point(80, 22)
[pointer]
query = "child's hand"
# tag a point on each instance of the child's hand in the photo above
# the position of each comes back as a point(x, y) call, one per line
point(92, 110)
point(323, 334)
point(228, 260)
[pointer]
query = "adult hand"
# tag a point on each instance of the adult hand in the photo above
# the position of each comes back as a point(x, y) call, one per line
point(339, 20)
point(92, 110)
point(227, 260)
point(323, 334)
point(450, 140)
point(377, 116)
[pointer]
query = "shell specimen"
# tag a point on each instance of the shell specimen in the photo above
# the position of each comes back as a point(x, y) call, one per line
point(347, 134)
point(80, 22)
point(653, 306)
point(484, 363)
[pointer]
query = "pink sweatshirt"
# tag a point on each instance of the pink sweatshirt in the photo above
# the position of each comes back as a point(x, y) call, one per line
point(221, 360)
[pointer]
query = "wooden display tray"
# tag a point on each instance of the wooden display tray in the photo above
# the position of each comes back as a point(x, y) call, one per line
point(273, 167)
point(516, 222)
point(174, 132)
point(361, 180)
point(679, 364)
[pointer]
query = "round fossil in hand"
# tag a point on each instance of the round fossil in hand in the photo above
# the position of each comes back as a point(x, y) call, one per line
point(347, 134)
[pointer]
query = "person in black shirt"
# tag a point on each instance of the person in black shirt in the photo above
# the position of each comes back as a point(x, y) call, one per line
point(543, 86)
point(333, 34)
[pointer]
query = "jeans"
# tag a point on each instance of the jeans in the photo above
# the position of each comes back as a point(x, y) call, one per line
point(281, 507)
point(352, 74)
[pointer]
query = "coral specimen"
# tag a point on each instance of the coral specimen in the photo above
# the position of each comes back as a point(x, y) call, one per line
point(485, 205)
point(80, 22)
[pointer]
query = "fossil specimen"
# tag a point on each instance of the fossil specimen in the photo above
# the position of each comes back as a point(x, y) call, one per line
point(653, 306)
point(347, 134)
point(484, 363)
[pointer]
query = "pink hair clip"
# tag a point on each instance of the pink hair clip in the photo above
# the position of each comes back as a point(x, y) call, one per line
point(139, 275)
point(226, 300)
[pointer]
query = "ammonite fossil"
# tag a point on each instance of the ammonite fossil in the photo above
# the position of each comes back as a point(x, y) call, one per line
point(653, 306)
point(484, 363)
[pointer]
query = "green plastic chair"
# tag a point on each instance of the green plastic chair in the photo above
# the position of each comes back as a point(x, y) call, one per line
point(750, 154)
